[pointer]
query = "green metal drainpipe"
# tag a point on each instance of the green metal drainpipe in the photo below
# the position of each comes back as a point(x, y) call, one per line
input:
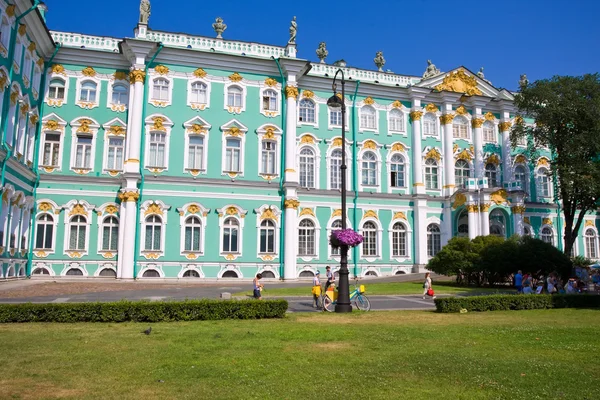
point(282, 172)
point(36, 155)
point(142, 156)
point(354, 179)
point(6, 102)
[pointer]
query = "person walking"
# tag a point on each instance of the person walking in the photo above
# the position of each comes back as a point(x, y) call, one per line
point(316, 293)
point(427, 285)
point(330, 277)
point(519, 281)
point(258, 287)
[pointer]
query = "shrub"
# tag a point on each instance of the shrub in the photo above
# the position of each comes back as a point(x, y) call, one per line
point(143, 311)
point(515, 302)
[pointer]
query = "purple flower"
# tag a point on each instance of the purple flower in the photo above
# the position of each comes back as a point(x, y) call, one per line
point(345, 237)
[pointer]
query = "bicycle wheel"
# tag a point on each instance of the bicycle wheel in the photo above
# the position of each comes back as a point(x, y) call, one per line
point(328, 304)
point(362, 302)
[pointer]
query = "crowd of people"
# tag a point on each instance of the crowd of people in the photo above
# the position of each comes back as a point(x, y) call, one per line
point(580, 282)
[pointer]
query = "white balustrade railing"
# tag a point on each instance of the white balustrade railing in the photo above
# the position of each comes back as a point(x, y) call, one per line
point(364, 75)
point(86, 41)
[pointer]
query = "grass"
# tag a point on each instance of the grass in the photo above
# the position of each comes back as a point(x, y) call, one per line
point(383, 288)
point(537, 354)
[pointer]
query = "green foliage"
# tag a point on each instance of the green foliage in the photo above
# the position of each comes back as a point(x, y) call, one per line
point(581, 262)
point(491, 259)
point(142, 311)
point(566, 111)
point(515, 302)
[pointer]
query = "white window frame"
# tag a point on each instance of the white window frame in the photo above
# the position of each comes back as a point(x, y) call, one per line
point(439, 174)
point(68, 216)
point(160, 102)
point(6, 32)
point(329, 159)
point(496, 171)
point(331, 126)
point(317, 160)
point(192, 209)
point(525, 173)
point(538, 183)
point(118, 107)
point(407, 171)
point(269, 133)
point(94, 126)
point(315, 123)
point(359, 162)
point(270, 113)
point(408, 239)
point(427, 235)
point(108, 134)
point(103, 224)
point(194, 105)
point(234, 109)
point(226, 129)
point(88, 104)
point(160, 211)
point(378, 237)
point(436, 123)
point(469, 169)
point(37, 78)
point(364, 127)
point(274, 215)
point(60, 131)
point(27, 69)
point(591, 239)
point(102, 214)
point(204, 133)
point(551, 236)
point(57, 102)
point(403, 128)
point(239, 216)
point(317, 235)
point(466, 124)
point(489, 128)
point(152, 127)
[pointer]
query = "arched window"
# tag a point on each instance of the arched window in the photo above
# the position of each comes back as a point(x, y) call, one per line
point(591, 244)
point(369, 245)
point(434, 240)
point(119, 94)
point(196, 152)
point(190, 273)
point(306, 111)
point(110, 233)
point(336, 225)
point(231, 229)
point(270, 100)
point(543, 182)
point(88, 91)
point(160, 89)
point(429, 124)
point(198, 93)
point(306, 238)
point(396, 121)
point(268, 154)
point(368, 117)
point(40, 271)
point(234, 96)
point(488, 132)
point(229, 274)
point(232, 155)
point(335, 171)
point(44, 232)
point(77, 233)
point(151, 273)
point(74, 272)
point(369, 169)
point(108, 273)
point(431, 174)
point(521, 177)
point(193, 231)
point(153, 236)
point(307, 167)
point(56, 90)
point(459, 128)
point(267, 237)
point(397, 171)
point(491, 174)
point(526, 231)
point(497, 223)
point(399, 245)
point(157, 147)
point(462, 171)
point(463, 224)
point(547, 235)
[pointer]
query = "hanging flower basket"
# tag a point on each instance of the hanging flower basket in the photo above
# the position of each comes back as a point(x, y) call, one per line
point(345, 237)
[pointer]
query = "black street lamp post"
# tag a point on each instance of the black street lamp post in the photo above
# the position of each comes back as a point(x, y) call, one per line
point(343, 301)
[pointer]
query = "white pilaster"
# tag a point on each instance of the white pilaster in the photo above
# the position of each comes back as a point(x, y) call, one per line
point(477, 123)
point(484, 214)
point(420, 234)
point(504, 127)
point(291, 92)
point(446, 223)
point(517, 216)
point(449, 182)
point(290, 235)
point(127, 247)
point(417, 162)
point(134, 133)
point(472, 215)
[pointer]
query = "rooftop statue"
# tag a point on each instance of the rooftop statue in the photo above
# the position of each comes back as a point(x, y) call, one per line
point(322, 52)
point(482, 76)
point(293, 30)
point(219, 27)
point(379, 60)
point(144, 11)
point(431, 70)
point(523, 82)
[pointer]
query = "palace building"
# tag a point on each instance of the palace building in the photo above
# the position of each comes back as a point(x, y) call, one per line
point(166, 155)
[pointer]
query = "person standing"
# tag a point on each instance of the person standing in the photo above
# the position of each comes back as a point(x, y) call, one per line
point(519, 281)
point(316, 294)
point(330, 277)
point(551, 283)
point(258, 287)
point(427, 285)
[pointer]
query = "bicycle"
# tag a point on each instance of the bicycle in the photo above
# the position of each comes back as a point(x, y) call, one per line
point(357, 297)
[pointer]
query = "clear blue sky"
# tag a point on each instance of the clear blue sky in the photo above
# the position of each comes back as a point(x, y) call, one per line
point(508, 37)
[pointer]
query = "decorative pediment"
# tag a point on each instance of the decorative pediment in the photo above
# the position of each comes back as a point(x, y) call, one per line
point(193, 209)
point(154, 207)
point(85, 125)
point(115, 127)
point(159, 122)
point(269, 131)
point(370, 214)
point(459, 200)
point(197, 126)
point(461, 80)
point(234, 128)
point(267, 212)
point(232, 210)
point(307, 138)
point(464, 155)
point(53, 122)
point(433, 153)
point(499, 197)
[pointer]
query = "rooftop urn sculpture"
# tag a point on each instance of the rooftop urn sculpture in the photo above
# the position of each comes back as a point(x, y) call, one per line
point(482, 76)
point(144, 11)
point(219, 27)
point(340, 63)
point(293, 30)
point(322, 52)
point(379, 60)
point(431, 70)
point(523, 82)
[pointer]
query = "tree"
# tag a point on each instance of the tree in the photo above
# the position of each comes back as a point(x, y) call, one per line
point(566, 111)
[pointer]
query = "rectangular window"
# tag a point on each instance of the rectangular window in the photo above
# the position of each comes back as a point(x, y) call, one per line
point(232, 155)
point(489, 135)
point(397, 175)
point(115, 154)
point(110, 235)
point(267, 241)
point(51, 149)
point(196, 152)
point(192, 238)
point(460, 131)
point(83, 152)
point(152, 239)
point(399, 244)
point(268, 158)
point(335, 117)
point(429, 127)
point(157, 150)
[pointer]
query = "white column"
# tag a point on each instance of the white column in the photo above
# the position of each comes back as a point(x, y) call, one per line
point(446, 223)
point(472, 215)
point(477, 123)
point(449, 182)
point(517, 215)
point(504, 127)
point(417, 162)
point(420, 234)
point(290, 235)
point(291, 175)
point(127, 246)
point(134, 131)
point(484, 208)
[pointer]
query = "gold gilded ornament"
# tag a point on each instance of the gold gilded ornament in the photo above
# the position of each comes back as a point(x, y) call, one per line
point(459, 82)
point(416, 115)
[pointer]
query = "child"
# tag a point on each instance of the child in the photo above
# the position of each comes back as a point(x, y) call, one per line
point(316, 297)
point(258, 287)
point(330, 277)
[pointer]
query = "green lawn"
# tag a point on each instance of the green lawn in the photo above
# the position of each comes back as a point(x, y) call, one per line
point(542, 354)
point(383, 288)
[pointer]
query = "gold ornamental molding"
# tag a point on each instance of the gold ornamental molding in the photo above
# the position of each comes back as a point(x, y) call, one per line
point(433, 153)
point(484, 207)
point(45, 207)
point(151, 256)
point(493, 159)
point(336, 213)
point(446, 119)
point(370, 214)
point(547, 221)
point(477, 122)
point(489, 116)
point(161, 69)
point(369, 101)
point(116, 130)
point(499, 197)
point(191, 256)
point(520, 159)
point(399, 215)
point(31, 47)
point(193, 209)
point(504, 126)
point(108, 255)
point(290, 170)
point(291, 91)
point(199, 73)
point(155, 209)
point(416, 115)
point(291, 203)
point(431, 108)
point(197, 129)
point(10, 10)
point(78, 210)
point(464, 155)
point(519, 120)
point(22, 29)
point(369, 144)
point(307, 139)
point(74, 254)
point(268, 214)
point(120, 76)
point(85, 126)
point(137, 76)
point(543, 162)
point(58, 69)
point(472, 208)
point(159, 124)
point(130, 196)
point(309, 94)
point(89, 71)
point(518, 209)
point(459, 200)
point(235, 77)
point(397, 104)
point(589, 223)
point(398, 147)
point(111, 209)
point(307, 211)
point(462, 110)
point(270, 82)
point(459, 82)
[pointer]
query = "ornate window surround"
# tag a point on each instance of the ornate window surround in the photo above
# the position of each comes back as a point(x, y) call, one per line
point(335, 144)
point(367, 146)
point(595, 238)
point(440, 167)
point(154, 75)
point(374, 219)
point(239, 214)
point(405, 116)
point(468, 118)
point(111, 83)
point(190, 267)
point(270, 133)
point(49, 207)
point(436, 117)
point(157, 123)
point(192, 209)
point(72, 209)
point(52, 124)
point(79, 126)
point(113, 129)
point(87, 104)
point(495, 130)
point(196, 126)
point(264, 87)
point(349, 111)
point(241, 85)
point(309, 214)
point(537, 177)
point(316, 100)
point(147, 209)
point(311, 141)
point(56, 73)
point(233, 128)
point(272, 213)
point(403, 150)
point(198, 106)
point(103, 212)
point(363, 129)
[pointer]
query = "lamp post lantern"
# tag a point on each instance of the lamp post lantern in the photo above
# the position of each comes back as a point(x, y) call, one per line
point(343, 301)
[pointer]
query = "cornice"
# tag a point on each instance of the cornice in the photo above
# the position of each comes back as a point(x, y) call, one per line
point(95, 58)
